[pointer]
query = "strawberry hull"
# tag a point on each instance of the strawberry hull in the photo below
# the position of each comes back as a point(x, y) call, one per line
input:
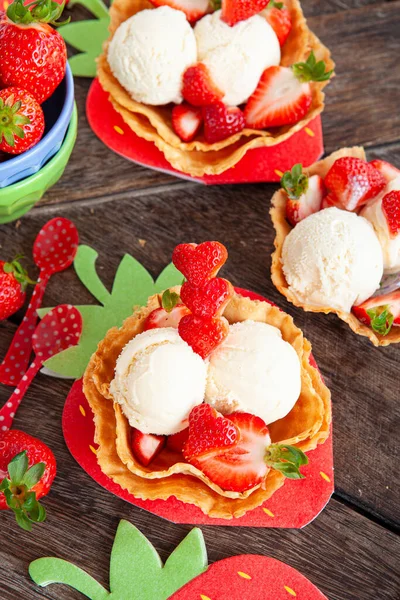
point(258, 165)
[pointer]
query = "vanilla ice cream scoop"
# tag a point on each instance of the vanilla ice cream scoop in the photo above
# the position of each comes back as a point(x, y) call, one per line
point(332, 259)
point(236, 56)
point(150, 52)
point(254, 370)
point(158, 380)
point(390, 243)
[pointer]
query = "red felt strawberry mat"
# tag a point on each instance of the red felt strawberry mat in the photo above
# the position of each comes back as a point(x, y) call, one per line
point(259, 164)
point(294, 505)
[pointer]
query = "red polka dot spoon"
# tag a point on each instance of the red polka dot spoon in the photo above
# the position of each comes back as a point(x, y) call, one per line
point(59, 329)
point(54, 251)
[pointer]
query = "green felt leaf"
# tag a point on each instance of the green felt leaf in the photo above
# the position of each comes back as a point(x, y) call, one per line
point(83, 65)
point(96, 7)
point(86, 36)
point(136, 570)
point(45, 571)
point(132, 287)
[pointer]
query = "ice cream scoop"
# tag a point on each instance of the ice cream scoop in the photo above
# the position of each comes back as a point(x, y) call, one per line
point(236, 56)
point(332, 259)
point(150, 52)
point(254, 370)
point(390, 243)
point(158, 380)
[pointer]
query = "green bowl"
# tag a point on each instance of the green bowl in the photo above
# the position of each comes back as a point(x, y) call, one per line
point(18, 198)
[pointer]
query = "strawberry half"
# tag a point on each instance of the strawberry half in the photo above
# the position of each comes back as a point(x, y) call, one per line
point(186, 121)
point(208, 431)
point(283, 95)
point(198, 88)
point(220, 122)
point(304, 194)
point(199, 263)
point(21, 120)
point(380, 312)
point(208, 300)
point(193, 9)
point(278, 16)
point(177, 441)
point(245, 463)
point(168, 315)
point(234, 11)
point(391, 210)
point(146, 446)
point(386, 169)
point(328, 201)
point(203, 335)
point(353, 182)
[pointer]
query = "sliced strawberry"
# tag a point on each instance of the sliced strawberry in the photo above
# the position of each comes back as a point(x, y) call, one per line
point(353, 182)
point(283, 95)
point(329, 201)
point(208, 300)
point(198, 88)
point(386, 169)
point(220, 122)
point(162, 318)
point(199, 263)
point(176, 442)
point(243, 465)
point(146, 446)
point(391, 210)
point(203, 335)
point(186, 121)
point(304, 194)
point(193, 9)
point(208, 431)
point(278, 16)
point(234, 11)
point(380, 312)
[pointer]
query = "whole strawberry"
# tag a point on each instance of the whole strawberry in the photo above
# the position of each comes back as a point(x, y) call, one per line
point(13, 282)
point(33, 55)
point(21, 120)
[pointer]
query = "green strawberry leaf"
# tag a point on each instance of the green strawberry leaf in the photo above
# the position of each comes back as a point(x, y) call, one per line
point(17, 468)
point(381, 319)
point(34, 475)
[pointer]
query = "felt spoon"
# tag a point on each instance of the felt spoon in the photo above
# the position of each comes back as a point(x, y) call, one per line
point(54, 251)
point(59, 329)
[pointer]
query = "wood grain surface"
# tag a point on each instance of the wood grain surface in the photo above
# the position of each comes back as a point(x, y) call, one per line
point(351, 551)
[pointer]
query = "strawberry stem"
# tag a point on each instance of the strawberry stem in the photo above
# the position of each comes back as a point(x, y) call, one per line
point(311, 70)
point(11, 123)
point(295, 182)
point(169, 300)
point(286, 459)
point(20, 274)
point(38, 11)
point(381, 319)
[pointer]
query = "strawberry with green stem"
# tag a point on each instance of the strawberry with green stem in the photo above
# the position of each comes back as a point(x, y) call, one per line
point(381, 313)
point(14, 280)
point(21, 120)
point(304, 194)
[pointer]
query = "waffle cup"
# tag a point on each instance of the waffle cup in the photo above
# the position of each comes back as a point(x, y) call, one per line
point(306, 426)
point(198, 158)
point(283, 228)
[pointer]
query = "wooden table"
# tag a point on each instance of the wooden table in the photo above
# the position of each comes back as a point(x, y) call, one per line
point(351, 551)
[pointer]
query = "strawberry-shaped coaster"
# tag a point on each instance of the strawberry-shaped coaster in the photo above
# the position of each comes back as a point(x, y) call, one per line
point(54, 251)
point(259, 164)
point(136, 565)
point(294, 505)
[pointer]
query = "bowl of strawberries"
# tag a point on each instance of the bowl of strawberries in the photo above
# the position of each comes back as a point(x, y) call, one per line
point(36, 89)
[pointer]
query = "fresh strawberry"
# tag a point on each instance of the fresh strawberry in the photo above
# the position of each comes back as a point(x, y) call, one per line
point(283, 95)
point(304, 194)
point(203, 335)
point(245, 463)
point(329, 201)
point(278, 16)
point(146, 446)
point(386, 169)
point(176, 442)
point(161, 318)
point(198, 88)
point(28, 41)
point(220, 122)
point(353, 182)
point(13, 282)
point(193, 9)
point(391, 210)
point(27, 470)
point(380, 312)
point(199, 263)
point(208, 431)
point(234, 11)
point(186, 121)
point(208, 300)
point(21, 120)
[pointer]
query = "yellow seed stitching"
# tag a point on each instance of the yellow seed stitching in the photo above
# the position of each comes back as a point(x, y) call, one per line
point(204, 597)
point(244, 575)
point(119, 130)
point(290, 591)
point(93, 449)
point(268, 512)
point(279, 173)
point(325, 476)
point(309, 132)
point(82, 410)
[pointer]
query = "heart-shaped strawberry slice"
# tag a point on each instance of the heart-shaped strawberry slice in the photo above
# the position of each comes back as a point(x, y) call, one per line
point(208, 431)
point(210, 299)
point(203, 335)
point(199, 263)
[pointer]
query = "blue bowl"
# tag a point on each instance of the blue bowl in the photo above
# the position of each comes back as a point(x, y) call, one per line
point(57, 113)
